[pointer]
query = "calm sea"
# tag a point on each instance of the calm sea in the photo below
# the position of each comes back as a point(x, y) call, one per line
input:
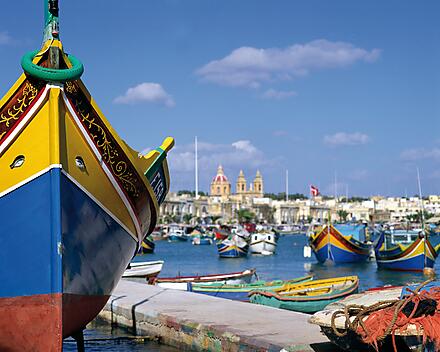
point(183, 258)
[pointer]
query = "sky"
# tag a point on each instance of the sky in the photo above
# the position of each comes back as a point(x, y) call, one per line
point(338, 92)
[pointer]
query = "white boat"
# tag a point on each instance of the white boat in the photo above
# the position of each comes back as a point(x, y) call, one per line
point(181, 282)
point(144, 269)
point(263, 243)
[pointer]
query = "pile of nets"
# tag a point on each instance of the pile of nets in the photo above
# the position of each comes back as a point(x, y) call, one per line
point(374, 323)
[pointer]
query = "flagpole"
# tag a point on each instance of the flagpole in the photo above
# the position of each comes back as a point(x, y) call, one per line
point(196, 168)
point(287, 185)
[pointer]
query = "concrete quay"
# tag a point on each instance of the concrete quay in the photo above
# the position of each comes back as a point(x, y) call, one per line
point(195, 322)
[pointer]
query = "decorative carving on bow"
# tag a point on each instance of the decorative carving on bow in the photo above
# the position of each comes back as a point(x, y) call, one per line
point(15, 108)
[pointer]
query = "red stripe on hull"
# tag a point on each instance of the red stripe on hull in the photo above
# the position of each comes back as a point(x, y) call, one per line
point(31, 323)
point(39, 323)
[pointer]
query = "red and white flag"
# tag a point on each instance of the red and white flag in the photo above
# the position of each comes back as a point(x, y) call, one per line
point(314, 191)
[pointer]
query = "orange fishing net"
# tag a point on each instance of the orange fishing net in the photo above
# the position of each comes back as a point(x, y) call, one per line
point(417, 309)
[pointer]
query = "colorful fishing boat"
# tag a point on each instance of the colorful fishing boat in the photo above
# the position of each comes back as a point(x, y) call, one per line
point(264, 243)
point(340, 243)
point(147, 270)
point(406, 250)
point(307, 297)
point(74, 190)
point(181, 282)
point(233, 247)
point(240, 292)
point(147, 245)
point(202, 240)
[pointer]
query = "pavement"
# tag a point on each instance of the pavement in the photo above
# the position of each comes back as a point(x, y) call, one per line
point(196, 322)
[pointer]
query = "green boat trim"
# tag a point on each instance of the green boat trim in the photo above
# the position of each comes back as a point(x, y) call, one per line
point(258, 285)
point(307, 297)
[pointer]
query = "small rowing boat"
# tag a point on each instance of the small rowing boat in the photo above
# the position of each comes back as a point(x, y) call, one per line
point(240, 292)
point(181, 282)
point(146, 270)
point(263, 243)
point(307, 297)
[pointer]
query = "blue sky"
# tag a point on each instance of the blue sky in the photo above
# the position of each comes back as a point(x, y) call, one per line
point(316, 87)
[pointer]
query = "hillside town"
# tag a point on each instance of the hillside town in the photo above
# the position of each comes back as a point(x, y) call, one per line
point(249, 200)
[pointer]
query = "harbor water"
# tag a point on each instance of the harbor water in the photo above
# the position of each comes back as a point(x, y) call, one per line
point(183, 258)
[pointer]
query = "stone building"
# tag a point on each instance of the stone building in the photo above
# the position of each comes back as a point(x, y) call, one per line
point(220, 186)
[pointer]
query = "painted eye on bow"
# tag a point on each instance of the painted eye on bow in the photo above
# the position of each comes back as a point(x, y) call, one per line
point(80, 163)
point(18, 161)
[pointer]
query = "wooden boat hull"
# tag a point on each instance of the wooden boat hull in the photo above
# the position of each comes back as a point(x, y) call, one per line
point(263, 244)
point(240, 292)
point(76, 205)
point(330, 245)
point(181, 282)
point(147, 247)
point(415, 257)
point(232, 251)
point(64, 278)
point(306, 302)
point(146, 270)
point(175, 238)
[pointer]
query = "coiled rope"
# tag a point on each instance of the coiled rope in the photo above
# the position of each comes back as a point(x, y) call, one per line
point(374, 323)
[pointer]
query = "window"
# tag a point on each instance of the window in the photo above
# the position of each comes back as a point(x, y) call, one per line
point(242, 188)
point(218, 190)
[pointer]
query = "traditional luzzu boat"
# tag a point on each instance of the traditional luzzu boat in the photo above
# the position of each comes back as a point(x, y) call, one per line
point(75, 191)
point(340, 243)
point(307, 297)
point(263, 243)
point(406, 250)
point(233, 247)
point(240, 292)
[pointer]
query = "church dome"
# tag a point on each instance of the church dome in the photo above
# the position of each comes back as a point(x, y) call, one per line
point(220, 177)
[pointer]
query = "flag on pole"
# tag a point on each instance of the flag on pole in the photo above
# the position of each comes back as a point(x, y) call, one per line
point(314, 191)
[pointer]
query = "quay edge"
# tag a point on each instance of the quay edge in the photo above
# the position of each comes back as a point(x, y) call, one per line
point(195, 322)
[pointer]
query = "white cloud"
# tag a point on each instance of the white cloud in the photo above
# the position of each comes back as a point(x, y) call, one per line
point(241, 154)
point(5, 38)
point(250, 67)
point(344, 139)
point(420, 153)
point(146, 92)
point(278, 94)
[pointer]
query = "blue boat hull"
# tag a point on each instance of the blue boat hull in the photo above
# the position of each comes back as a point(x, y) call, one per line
point(338, 255)
point(174, 238)
point(60, 248)
point(225, 251)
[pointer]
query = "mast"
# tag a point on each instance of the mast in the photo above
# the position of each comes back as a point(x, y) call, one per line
point(196, 161)
point(422, 210)
point(52, 30)
point(287, 185)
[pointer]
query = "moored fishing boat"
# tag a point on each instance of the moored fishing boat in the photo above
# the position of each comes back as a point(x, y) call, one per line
point(181, 282)
point(340, 243)
point(263, 243)
point(308, 297)
point(233, 247)
point(147, 245)
point(201, 240)
point(240, 292)
point(93, 200)
point(406, 250)
point(145, 270)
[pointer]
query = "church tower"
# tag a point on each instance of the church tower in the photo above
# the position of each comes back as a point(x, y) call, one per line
point(220, 185)
point(241, 185)
point(258, 185)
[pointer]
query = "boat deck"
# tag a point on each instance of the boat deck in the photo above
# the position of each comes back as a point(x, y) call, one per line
point(191, 321)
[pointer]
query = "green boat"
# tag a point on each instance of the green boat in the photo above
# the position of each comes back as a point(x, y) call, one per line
point(307, 297)
point(240, 292)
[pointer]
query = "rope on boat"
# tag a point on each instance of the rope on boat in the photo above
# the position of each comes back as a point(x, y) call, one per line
point(374, 323)
point(50, 74)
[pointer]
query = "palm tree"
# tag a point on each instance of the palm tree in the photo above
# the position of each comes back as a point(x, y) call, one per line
point(342, 214)
point(244, 215)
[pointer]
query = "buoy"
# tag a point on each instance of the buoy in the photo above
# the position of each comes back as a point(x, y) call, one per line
point(429, 272)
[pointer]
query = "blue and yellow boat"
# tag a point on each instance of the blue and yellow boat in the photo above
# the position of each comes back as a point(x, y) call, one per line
point(232, 247)
point(147, 246)
point(340, 243)
point(75, 191)
point(406, 250)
